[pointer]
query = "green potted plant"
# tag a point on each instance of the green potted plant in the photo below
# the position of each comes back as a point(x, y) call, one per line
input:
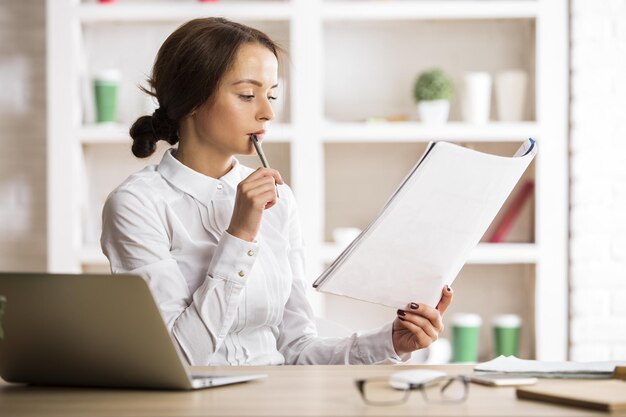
point(433, 92)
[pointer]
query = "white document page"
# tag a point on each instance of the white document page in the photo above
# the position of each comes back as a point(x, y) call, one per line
point(424, 234)
point(513, 365)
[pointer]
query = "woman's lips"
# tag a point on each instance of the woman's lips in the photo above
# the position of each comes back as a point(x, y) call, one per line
point(259, 135)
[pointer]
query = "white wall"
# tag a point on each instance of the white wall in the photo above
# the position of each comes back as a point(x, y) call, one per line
point(598, 180)
point(22, 135)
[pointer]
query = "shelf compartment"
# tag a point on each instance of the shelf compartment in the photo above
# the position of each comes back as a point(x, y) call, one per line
point(359, 178)
point(420, 132)
point(179, 12)
point(493, 290)
point(100, 50)
point(423, 10)
point(485, 290)
point(389, 55)
point(93, 134)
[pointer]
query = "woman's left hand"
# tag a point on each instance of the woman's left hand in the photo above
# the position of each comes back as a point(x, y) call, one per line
point(417, 326)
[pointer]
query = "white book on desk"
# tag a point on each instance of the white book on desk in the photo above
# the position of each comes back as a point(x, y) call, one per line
point(425, 232)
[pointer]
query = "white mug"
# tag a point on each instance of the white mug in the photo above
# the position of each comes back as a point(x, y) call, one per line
point(511, 87)
point(476, 97)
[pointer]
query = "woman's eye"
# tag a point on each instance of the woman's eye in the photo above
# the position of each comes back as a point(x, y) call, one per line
point(272, 98)
point(246, 97)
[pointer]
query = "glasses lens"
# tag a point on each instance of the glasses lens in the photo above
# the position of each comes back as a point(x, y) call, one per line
point(448, 390)
point(379, 391)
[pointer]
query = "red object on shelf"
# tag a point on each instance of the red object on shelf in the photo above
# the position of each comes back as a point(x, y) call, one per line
point(107, 1)
point(512, 212)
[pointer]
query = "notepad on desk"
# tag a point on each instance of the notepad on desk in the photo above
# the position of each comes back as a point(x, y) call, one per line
point(427, 229)
point(606, 395)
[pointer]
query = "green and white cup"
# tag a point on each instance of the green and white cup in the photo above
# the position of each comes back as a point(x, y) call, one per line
point(506, 334)
point(106, 86)
point(465, 337)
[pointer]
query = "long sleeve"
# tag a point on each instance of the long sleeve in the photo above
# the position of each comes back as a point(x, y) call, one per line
point(136, 240)
point(298, 340)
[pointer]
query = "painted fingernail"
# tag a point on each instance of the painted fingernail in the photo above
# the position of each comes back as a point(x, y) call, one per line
point(401, 313)
point(449, 289)
point(414, 306)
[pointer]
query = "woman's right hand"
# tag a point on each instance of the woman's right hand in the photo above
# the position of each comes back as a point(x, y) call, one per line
point(254, 194)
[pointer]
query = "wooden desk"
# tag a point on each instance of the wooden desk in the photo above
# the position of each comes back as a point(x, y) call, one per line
point(288, 391)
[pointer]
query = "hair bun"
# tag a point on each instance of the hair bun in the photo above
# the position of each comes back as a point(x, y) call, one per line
point(144, 140)
point(164, 128)
point(148, 130)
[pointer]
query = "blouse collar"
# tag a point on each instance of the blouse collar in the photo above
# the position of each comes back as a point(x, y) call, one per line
point(201, 187)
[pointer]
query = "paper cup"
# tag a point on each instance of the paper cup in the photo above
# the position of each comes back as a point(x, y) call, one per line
point(106, 86)
point(465, 337)
point(511, 87)
point(506, 334)
point(476, 97)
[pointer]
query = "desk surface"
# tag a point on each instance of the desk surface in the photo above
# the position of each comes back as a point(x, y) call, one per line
point(288, 391)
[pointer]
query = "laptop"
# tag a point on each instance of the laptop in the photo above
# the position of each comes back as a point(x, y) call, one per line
point(92, 330)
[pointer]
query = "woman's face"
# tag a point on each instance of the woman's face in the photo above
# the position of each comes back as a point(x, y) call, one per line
point(241, 105)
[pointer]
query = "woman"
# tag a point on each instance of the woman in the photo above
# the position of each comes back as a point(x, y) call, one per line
point(222, 254)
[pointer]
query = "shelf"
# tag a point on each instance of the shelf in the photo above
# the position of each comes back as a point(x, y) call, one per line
point(177, 11)
point(104, 133)
point(403, 10)
point(282, 10)
point(118, 134)
point(484, 253)
point(420, 132)
point(359, 132)
point(504, 253)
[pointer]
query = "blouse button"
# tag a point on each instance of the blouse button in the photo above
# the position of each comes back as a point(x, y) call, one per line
point(220, 186)
point(241, 273)
point(250, 252)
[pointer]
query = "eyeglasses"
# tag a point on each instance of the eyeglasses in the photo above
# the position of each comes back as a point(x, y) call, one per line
point(380, 391)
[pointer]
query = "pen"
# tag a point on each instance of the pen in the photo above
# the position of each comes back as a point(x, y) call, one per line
point(259, 152)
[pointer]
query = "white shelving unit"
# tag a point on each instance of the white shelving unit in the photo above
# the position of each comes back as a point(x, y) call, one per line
point(485, 253)
point(348, 60)
point(418, 132)
point(117, 134)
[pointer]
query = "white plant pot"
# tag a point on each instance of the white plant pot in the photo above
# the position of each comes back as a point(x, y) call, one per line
point(476, 97)
point(433, 111)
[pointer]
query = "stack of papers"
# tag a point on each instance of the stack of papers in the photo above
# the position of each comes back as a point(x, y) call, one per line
point(427, 229)
point(523, 367)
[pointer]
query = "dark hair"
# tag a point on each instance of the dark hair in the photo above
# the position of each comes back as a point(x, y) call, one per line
point(187, 72)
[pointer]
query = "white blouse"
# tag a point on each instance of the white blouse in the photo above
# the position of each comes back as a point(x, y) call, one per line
point(223, 299)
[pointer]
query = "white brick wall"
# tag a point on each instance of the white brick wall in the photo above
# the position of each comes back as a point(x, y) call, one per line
point(22, 135)
point(598, 180)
